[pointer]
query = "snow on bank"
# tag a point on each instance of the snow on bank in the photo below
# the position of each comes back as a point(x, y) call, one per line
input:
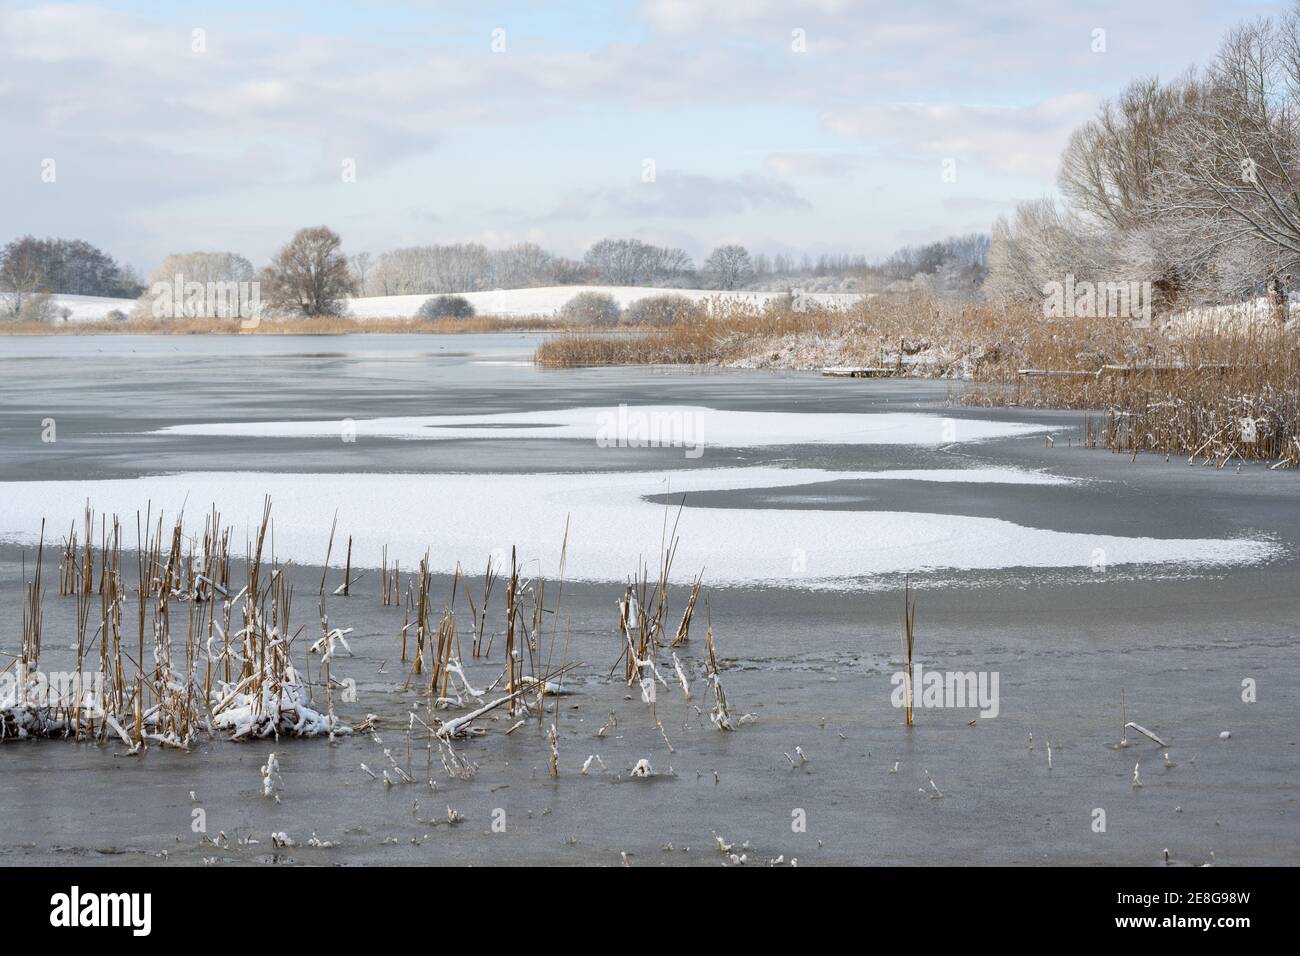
point(679, 425)
point(90, 308)
point(1232, 317)
point(467, 517)
point(548, 300)
point(543, 302)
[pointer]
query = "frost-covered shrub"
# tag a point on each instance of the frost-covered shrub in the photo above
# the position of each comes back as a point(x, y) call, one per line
point(446, 307)
point(38, 308)
point(115, 315)
point(661, 310)
point(591, 308)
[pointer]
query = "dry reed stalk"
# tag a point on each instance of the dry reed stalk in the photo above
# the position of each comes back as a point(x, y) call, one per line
point(442, 655)
point(632, 625)
point(68, 563)
point(406, 627)
point(347, 569)
point(422, 614)
point(326, 659)
point(559, 594)
point(512, 598)
point(30, 646)
point(908, 643)
point(329, 548)
point(684, 629)
point(88, 575)
point(480, 619)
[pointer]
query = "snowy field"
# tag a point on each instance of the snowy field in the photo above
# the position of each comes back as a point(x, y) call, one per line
point(91, 308)
point(543, 302)
point(548, 301)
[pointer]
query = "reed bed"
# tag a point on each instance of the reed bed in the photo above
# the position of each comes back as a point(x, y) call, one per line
point(702, 336)
point(177, 656)
point(646, 636)
point(1212, 394)
point(175, 650)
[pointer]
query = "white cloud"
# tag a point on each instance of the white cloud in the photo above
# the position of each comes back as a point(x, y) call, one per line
point(797, 164)
point(1022, 141)
point(680, 196)
point(252, 131)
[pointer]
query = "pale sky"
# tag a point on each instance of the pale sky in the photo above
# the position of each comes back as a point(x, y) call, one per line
point(805, 125)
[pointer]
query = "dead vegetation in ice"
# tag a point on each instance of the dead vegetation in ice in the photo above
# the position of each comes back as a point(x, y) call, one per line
point(177, 641)
point(179, 656)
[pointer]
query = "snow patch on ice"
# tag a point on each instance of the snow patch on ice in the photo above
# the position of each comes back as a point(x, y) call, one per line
point(469, 516)
point(709, 426)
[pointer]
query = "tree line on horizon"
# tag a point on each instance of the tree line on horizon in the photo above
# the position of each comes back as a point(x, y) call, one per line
point(1191, 185)
point(311, 273)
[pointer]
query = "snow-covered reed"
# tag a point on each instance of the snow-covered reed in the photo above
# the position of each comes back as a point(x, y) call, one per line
point(229, 672)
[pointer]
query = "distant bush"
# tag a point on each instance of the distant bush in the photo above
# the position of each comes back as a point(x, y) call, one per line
point(38, 308)
point(115, 315)
point(591, 308)
point(661, 310)
point(446, 307)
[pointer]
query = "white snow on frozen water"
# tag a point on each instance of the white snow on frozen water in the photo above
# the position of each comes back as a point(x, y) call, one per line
point(467, 517)
point(666, 425)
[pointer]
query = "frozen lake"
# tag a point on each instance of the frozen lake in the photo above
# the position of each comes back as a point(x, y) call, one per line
point(1074, 574)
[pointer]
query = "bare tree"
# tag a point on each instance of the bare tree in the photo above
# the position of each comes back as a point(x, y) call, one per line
point(459, 267)
point(1190, 185)
point(523, 265)
point(729, 266)
point(633, 262)
point(1046, 243)
point(309, 275)
point(1233, 185)
point(198, 285)
point(1113, 165)
point(21, 278)
point(360, 265)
